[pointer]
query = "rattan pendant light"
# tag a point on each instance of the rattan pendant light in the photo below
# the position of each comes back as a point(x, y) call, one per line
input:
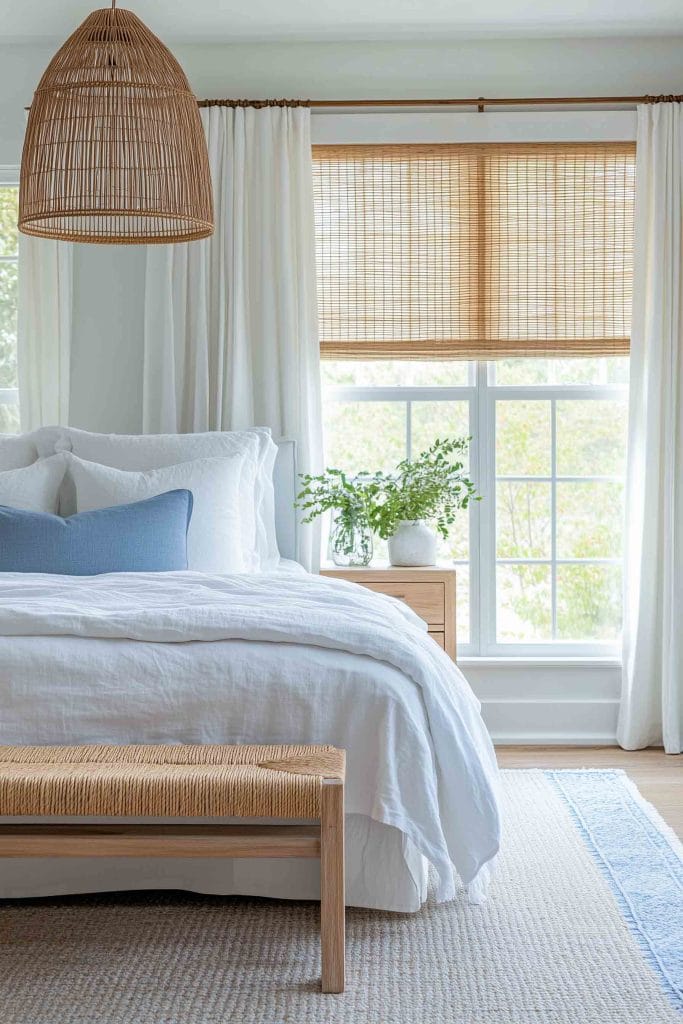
point(114, 149)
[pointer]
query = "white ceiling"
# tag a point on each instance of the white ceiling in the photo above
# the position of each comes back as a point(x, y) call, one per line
point(226, 20)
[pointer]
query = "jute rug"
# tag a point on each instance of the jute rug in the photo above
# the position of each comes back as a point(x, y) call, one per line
point(570, 935)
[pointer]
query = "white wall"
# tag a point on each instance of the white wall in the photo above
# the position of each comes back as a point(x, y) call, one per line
point(106, 359)
point(547, 700)
point(517, 67)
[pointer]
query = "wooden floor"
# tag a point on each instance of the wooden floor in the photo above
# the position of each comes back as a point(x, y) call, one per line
point(658, 776)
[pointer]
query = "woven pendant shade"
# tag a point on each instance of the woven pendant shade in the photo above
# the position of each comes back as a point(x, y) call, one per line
point(114, 149)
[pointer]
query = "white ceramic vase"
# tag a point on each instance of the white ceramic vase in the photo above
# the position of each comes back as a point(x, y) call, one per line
point(414, 543)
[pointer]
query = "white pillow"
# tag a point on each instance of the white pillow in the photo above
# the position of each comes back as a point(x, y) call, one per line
point(154, 451)
point(17, 451)
point(33, 488)
point(46, 440)
point(214, 538)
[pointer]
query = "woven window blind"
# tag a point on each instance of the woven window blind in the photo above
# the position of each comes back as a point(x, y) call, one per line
point(474, 251)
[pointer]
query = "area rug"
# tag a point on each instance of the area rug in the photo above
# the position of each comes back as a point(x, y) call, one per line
point(583, 926)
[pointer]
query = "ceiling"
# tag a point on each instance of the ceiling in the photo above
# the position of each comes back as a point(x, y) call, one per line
point(230, 20)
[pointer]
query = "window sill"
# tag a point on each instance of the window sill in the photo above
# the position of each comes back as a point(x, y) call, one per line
point(543, 661)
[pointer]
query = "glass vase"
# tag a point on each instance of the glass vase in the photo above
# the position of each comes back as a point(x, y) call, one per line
point(351, 543)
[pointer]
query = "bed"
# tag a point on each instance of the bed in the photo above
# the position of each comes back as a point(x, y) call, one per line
point(272, 656)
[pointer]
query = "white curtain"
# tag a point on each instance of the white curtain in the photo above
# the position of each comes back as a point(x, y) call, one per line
point(652, 694)
point(231, 336)
point(44, 331)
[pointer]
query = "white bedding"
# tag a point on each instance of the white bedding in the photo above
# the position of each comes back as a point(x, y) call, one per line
point(277, 657)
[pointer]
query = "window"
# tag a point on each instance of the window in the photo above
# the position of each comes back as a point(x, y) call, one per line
point(539, 559)
point(490, 299)
point(9, 394)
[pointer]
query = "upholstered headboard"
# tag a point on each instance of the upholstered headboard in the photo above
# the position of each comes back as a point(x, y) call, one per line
point(285, 483)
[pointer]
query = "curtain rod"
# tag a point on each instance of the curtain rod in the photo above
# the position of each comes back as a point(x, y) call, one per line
point(480, 102)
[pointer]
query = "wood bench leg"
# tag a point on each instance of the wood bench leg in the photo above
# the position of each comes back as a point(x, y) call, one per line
point(332, 902)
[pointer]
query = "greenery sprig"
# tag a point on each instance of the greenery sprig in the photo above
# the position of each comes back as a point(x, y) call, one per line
point(351, 497)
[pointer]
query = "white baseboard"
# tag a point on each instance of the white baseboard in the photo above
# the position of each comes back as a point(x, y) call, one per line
point(573, 705)
point(533, 740)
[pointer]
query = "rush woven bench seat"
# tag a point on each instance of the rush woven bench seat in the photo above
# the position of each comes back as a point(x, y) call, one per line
point(167, 781)
point(203, 781)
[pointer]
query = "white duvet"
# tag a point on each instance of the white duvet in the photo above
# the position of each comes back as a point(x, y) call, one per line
point(202, 658)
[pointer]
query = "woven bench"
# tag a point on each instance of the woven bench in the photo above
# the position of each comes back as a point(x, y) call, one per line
point(288, 782)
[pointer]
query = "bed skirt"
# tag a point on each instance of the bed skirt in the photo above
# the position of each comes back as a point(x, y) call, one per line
point(384, 871)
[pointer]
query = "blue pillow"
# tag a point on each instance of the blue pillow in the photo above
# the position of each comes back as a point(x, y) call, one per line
point(145, 536)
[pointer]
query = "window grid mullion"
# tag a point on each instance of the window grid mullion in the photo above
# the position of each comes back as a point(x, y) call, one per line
point(553, 516)
point(397, 393)
point(537, 479)
point(409, 429)
point(568, 392)
point(487, 487)
point(559, 561)
point(474, 521)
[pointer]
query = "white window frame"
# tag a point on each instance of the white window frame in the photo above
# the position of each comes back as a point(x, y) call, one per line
point(482, 393)
point(9, 177)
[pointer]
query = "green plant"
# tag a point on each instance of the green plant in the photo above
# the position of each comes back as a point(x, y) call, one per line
point(432, 486)
point(350, 498)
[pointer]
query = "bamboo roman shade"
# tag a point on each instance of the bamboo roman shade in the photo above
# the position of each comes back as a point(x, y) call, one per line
point(474, 251)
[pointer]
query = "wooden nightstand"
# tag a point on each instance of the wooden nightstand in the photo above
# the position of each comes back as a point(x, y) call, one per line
point(430, 591)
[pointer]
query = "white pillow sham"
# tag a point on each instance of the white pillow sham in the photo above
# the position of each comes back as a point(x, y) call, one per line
point(149, 451)
point(34, 488)
point(17, 451)
point(214, 541)
point(154, 451)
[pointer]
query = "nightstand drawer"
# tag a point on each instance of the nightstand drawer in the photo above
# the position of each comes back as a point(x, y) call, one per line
point(429, 590)
point(426, 599)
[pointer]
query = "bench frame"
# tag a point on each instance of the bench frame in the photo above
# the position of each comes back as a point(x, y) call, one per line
point(324, 841)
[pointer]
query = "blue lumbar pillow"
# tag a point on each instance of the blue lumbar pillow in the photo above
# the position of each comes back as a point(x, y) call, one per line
point(145, 536)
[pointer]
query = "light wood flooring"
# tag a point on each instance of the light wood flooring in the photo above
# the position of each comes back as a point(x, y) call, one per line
point(658, 776)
